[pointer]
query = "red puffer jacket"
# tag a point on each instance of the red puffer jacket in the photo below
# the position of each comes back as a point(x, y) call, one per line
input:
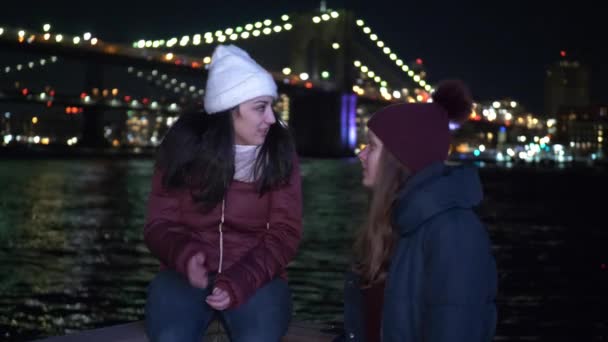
point(259, 235)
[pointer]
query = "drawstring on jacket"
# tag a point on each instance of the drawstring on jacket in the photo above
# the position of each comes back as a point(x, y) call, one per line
point(222, 236)
point(221, 226)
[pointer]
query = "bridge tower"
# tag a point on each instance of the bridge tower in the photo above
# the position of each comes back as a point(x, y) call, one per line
point(92, 126)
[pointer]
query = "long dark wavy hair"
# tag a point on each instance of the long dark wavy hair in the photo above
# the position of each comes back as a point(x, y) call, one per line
point(197, 153)
point(375, 240)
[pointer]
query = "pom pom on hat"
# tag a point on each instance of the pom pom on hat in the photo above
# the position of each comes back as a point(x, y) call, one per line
point(454, 96)
point(234, 77)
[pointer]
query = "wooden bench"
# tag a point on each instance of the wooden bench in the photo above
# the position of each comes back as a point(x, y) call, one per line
point(134, 332)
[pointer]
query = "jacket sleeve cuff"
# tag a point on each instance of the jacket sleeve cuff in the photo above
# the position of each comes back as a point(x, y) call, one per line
point(185, 252)
point(224, 284)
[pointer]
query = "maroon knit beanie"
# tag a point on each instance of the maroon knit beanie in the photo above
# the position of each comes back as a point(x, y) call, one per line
point(418, 134)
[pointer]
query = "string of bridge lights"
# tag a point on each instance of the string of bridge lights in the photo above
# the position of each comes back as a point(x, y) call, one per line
point(162, 81)
point(29, 65)
point(393, 56)
point(382, 84)
point(370, 73)
point(30, 37)
point(251, 30)
point(87, 39)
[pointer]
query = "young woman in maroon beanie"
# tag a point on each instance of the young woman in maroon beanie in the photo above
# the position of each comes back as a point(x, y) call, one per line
point(424, 269)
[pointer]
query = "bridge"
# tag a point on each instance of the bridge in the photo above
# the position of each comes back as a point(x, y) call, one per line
point(333, 70)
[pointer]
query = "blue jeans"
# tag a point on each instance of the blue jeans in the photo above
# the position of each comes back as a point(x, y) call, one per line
point(176, 311)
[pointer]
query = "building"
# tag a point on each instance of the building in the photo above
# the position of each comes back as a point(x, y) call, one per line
point(584, 130)
point(566, 85)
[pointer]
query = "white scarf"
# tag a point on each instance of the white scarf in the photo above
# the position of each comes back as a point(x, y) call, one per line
point(244, 160)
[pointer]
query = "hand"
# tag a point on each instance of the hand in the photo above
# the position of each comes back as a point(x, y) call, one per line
point(219, 299)
point(197, 271)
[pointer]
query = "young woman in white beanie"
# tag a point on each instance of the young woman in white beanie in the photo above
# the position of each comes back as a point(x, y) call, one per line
point(225, 211)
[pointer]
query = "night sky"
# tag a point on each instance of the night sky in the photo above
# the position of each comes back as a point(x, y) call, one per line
point(501, 49)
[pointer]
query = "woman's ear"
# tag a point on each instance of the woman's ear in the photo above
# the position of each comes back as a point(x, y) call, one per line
point(235, 111)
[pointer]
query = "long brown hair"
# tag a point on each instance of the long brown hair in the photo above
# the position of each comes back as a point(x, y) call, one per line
point(374, 242)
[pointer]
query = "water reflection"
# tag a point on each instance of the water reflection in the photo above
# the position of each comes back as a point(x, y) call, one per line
point(72, 255)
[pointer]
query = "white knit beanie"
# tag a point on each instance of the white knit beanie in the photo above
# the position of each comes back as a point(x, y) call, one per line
point(233, 78)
